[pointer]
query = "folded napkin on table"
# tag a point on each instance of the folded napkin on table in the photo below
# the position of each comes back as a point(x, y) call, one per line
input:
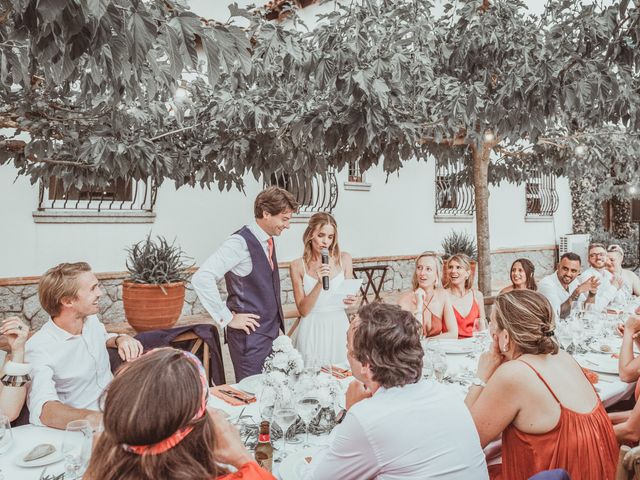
point(231, 395)
point(337, 371)
point(591, 376)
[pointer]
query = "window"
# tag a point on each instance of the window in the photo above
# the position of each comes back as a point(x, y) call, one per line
point(314, 194)
point(454, 199)
point(356, 178)
point(541, 196)
point(121, 201)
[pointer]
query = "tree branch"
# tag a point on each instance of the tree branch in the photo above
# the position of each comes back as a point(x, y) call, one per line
point(174, 131)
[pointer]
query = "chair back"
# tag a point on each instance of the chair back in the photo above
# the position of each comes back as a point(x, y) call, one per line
point(628, 463)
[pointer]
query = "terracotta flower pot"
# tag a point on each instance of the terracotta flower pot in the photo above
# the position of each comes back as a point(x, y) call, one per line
point(147, 307)
point(445, 272)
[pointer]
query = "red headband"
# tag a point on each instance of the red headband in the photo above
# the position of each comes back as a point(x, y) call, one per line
point(170, 442)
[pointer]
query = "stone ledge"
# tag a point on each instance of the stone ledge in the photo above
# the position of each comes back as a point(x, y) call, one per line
point(357, 186)
point(92, 216)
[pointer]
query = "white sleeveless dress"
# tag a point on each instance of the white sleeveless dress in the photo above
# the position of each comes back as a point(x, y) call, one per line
point(321, 336)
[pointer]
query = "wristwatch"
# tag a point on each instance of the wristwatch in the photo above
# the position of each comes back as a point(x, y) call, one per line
point(478, 382)
point(341, 415)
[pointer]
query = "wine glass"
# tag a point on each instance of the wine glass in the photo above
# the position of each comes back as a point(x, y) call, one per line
point(308, 407)
point(6, 435)
point(439, 362)
point(76, 448)
point(284, 415)
point(267, 401)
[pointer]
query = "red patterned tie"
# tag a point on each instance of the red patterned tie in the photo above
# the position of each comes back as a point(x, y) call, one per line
point(270, 250)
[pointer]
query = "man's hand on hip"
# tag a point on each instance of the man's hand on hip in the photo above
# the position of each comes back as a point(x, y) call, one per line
point(244, 321)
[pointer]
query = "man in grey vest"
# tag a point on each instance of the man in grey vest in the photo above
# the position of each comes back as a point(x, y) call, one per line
point(247, 260)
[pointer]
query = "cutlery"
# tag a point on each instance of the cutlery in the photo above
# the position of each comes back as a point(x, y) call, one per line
point(231, 394)
point(42, 474)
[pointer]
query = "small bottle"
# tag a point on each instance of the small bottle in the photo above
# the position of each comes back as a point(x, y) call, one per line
point(264, 449)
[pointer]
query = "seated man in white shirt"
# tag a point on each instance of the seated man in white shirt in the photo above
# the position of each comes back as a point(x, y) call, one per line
point(608, 288)
point(397, 426)
point(562, 287)
point(68, 355)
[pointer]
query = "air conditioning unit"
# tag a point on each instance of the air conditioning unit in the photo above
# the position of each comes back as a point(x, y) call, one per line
point(576, 243)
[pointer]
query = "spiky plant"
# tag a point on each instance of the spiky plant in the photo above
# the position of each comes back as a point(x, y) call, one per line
point(157, 262)
point(459, 242)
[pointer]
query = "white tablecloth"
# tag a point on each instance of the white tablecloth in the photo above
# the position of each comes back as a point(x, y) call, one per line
point(611, 390)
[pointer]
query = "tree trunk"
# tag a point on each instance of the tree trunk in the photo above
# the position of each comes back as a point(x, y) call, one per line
point(481, 191)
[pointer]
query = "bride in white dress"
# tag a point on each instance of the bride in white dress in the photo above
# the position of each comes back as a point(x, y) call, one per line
point(321, 336)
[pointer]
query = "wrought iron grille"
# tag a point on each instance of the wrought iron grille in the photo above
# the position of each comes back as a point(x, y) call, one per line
point(453, 198)
point(120, 195)
point(541, 195)
point(314, 194)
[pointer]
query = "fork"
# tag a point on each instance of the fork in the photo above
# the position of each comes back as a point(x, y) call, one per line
point(42, 474)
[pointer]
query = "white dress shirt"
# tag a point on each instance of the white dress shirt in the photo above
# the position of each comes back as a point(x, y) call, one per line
point(418, 431)
point(71, 369)
point(606, 291)
point(233, 255)
point(555, 292)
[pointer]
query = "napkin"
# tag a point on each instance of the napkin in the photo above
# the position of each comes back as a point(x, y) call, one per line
point(591, 376)
point(231, 395)
point(337, 372)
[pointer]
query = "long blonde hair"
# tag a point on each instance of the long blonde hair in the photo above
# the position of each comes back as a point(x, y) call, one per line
point(465, 262)
point(437, 260)
point(317, 221)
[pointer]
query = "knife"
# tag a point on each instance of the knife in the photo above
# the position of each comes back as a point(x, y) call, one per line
point(231, 394)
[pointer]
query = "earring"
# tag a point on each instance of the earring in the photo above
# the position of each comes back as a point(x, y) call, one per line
point(505, 347)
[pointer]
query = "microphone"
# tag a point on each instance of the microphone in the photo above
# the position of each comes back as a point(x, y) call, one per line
point(325, 261)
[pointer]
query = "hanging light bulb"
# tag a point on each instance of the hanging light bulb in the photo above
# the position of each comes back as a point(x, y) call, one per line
point(489, 136)
point(580, 150)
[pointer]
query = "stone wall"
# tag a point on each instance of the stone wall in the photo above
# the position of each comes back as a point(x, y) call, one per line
point(20, 296)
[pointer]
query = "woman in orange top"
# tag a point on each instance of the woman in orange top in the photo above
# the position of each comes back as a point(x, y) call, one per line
point(550, 415)
point(463, 297)
point(428, 301)
point(157, 425)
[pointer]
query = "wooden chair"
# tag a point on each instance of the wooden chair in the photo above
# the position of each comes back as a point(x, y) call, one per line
point(628, 463)
point(373, 282)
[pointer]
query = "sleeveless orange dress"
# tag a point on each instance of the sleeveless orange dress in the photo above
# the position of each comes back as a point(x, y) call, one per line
point(436, 322)
point(466, 323)
point(249, 471)
point(584, 444)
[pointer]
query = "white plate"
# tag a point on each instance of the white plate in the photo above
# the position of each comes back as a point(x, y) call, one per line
point(40, 462)
point(295, 467)
point(251, 384)
point(598, 363)
point(453, 346)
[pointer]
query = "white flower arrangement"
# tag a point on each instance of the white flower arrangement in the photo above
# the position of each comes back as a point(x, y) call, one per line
point(284, 358)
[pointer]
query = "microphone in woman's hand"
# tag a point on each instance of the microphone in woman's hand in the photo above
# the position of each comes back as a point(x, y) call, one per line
point(325, 261)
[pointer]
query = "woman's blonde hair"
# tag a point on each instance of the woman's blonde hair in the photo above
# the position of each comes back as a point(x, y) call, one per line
point(438, 262)
point(317, 221)
point(465, 262)
point(529, 319)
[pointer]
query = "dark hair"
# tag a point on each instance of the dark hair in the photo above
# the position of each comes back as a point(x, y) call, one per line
point(574, 257)
point(596, 245)
point(529, 319)
point(149, 400)
point(274, 201)
point(386, 339)
point(529, 270)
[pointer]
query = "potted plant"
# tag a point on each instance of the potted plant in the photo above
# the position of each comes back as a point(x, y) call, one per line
point(458, 242)
point(153, 294)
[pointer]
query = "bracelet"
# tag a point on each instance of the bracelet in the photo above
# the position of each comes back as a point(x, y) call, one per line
point(15, 380)
point(16, 368)
point(478, 382)
point(117, 337)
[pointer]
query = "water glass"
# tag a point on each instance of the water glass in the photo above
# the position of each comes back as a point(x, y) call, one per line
point(76, 448)
point(284, 415)
point(439, 362)
point(267, 400)
point(6, 436)
point(308, 408)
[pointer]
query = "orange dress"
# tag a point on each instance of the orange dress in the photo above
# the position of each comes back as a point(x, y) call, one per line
point(249, 471)
point(584, 444)
point(436, 322)
point(466, 323)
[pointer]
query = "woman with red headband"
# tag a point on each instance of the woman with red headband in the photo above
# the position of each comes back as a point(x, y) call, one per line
point(157, 425)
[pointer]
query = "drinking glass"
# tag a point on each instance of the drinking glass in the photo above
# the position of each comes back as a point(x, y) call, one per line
point(439, 362)
point(308, 408)
point(267, 400)
point(76, 448)
point(284, 415)
point(6, 436)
